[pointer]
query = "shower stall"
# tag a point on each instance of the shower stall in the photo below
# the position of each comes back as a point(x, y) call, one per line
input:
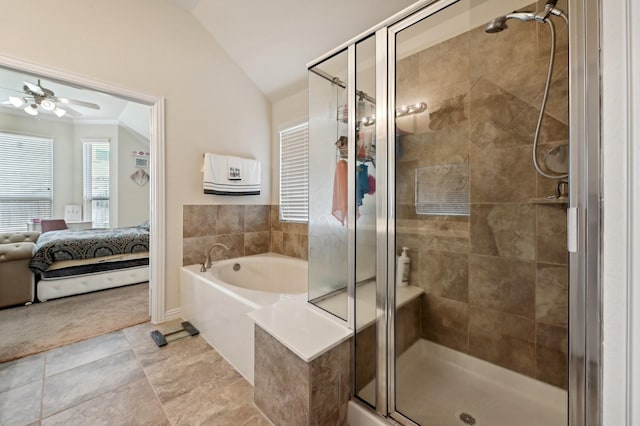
point(446, 130)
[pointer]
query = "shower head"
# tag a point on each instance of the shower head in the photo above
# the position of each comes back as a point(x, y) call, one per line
point(497, 25)
point(500, 23)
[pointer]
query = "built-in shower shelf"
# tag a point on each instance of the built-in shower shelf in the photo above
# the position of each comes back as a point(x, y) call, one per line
point(549, 200)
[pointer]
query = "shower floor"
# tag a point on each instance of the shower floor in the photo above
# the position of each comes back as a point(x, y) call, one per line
point(435, 385)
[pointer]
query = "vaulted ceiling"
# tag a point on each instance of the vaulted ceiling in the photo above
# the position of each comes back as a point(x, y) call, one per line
point(273, 40)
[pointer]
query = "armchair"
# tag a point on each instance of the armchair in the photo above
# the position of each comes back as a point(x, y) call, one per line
point(17, 282)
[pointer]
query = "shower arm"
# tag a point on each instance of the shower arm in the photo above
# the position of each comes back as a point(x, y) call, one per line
point(544, 102)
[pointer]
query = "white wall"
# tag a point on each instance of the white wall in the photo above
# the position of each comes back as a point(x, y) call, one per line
point(154, 47)
point(285, 113)
point(133, 199)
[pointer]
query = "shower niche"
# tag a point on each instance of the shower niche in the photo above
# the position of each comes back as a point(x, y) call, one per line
point(427, 134)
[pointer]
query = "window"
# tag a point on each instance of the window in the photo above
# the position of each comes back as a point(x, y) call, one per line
point(294, 174)
point(26, 180)
point(95, 171)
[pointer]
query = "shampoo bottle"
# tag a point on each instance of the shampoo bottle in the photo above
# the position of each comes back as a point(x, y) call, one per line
point(402, 268)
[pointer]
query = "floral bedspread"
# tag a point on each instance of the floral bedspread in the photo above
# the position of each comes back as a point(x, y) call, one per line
point(68, 244)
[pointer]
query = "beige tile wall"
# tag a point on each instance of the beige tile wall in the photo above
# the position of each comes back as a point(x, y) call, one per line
point(496, 280)
point(288, 238)
point(290, 391)
point(408, 331)
point(246, 229)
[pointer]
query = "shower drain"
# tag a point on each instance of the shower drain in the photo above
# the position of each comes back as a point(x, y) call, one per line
point(467, 418)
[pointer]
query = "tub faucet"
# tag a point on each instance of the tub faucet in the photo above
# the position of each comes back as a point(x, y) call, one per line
point(207, 263)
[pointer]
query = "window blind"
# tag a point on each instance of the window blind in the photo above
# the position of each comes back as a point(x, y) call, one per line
point(26, 180)
point(294, 174)
point(95, 170)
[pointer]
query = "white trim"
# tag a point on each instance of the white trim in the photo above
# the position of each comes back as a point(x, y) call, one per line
point(621, 190)
point(633, 111)
point(171, 314)
point(157, 171)
point(157, 214)
point(81, 122)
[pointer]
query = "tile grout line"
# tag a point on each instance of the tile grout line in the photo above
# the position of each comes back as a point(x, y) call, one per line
point(95, 396)
point(89, 362)
point(44, 376)
point(144, 372)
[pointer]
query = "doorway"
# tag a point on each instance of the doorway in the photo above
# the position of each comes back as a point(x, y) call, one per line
point(154, 162)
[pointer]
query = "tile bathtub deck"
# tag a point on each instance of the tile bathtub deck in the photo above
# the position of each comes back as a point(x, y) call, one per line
point(123, 378)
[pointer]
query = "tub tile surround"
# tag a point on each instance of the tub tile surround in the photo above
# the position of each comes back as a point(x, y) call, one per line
point(291, 391)
point(302, 367)
point(246, 229)
point(495, 281)
point(288, 238)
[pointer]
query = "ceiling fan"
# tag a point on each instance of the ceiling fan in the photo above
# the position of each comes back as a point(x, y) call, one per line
point(36, 97)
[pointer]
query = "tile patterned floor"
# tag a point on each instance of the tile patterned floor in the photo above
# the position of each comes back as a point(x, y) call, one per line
point(123, 378)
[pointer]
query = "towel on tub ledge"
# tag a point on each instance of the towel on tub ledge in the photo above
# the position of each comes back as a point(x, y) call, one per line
point(225, 175)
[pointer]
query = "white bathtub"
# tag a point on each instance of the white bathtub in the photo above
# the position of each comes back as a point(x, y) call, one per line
point(216, 302)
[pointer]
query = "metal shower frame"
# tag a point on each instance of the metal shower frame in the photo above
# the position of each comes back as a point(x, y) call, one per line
point(585, 358)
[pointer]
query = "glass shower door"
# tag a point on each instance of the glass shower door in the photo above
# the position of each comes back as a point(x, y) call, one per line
point(328, 183)
point(480, 327)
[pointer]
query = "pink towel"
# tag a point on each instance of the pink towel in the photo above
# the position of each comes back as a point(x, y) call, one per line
point(372, 185)
point(340, 199)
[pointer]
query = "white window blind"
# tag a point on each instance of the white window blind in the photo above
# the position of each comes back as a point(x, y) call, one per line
point(294, 174)
point(95, 170)
point(26, 180)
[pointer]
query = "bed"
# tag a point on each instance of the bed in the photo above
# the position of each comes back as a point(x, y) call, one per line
point(69, 262)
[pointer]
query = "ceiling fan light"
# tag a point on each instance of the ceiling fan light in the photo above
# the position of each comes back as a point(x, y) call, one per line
point(16, 101)
point(31, 109)
point(59, 112)
point(48, 105)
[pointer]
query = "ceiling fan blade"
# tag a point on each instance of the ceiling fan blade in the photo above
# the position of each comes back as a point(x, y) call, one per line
point(34, 88)
point(12, 90)
point(76, 102)
point(71, 112)
point(18, 101)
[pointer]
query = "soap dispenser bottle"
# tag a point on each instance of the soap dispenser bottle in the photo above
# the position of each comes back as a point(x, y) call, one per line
point(402, 268)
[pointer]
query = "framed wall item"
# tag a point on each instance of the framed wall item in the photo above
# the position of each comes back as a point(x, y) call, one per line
point(140, 159)
point(141, 162)
point(73, 213)
point(140, 176)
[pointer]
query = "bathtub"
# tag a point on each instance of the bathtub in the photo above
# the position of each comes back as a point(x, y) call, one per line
point(217, 301)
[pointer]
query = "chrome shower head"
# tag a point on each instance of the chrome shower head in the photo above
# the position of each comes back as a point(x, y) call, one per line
point(496, 25)
point(500, 23)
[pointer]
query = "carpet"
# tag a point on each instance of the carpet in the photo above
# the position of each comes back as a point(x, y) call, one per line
point(27, 330)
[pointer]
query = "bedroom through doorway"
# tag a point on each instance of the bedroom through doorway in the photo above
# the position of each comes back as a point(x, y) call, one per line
point(75, 210)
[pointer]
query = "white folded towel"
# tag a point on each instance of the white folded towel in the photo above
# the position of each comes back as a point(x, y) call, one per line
point(225, 175)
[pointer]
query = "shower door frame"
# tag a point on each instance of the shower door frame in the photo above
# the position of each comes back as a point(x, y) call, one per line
point(583, 218)
point(390, 361)
point(585, 281)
